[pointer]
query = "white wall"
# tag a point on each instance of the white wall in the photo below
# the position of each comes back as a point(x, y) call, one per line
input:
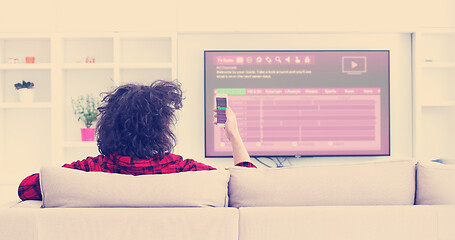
point(215, 15)
point(297, 15)
point(190, 127)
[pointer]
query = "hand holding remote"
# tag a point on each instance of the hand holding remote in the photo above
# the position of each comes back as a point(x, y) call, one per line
point(239, 152)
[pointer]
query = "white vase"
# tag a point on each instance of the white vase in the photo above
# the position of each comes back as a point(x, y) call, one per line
point(26, 95)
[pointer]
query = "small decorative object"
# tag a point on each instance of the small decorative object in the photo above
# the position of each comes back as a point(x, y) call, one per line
point(90, 59)
point(13, 60)
point(25, 91)
point(29, 59)
point(85, 109)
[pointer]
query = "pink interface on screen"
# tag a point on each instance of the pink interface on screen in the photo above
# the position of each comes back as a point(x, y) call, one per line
point(313, 119)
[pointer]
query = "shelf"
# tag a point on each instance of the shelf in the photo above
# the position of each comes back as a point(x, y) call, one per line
point(436, 105)
point(433, 31)
point(77, 50)
point(79, 144)
point(438, 65)
point(146, 65)
point(88, 66)
point(434, 86)
point(35, 105)
point(25, 66)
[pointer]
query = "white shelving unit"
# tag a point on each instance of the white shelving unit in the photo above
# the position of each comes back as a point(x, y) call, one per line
point(434, 98)
point(46, 131)
point(25, 128)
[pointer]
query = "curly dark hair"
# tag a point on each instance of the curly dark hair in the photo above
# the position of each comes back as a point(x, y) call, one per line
point(136, 120)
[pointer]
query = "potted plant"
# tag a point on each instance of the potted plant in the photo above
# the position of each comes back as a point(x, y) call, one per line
point(85, 109)
point(26, 91)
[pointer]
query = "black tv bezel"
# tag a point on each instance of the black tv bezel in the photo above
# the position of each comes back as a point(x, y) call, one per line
point(295, 155)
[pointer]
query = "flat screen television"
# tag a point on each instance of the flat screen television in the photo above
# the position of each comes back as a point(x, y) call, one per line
point(301, 103)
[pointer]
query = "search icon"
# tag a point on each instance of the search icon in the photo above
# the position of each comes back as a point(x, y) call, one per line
point(278, 59)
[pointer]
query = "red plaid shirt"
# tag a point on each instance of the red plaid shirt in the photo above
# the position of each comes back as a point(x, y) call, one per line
point(29, 189)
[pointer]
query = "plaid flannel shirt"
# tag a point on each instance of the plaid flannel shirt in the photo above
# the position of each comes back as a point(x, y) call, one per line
point(29, 188)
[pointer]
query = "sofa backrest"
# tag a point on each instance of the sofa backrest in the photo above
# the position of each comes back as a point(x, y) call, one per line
point(63, 187)
point(435, 184)
point(390, 182)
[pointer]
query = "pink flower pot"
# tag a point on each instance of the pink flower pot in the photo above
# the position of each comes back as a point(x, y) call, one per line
point(29, 59)
point(88, 134)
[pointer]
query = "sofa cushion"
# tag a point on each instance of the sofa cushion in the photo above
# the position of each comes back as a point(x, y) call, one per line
point(445, 218)
point(63, 187)
point(334, 222)
point(24, 223)
point(390, 182)
point(435, 183)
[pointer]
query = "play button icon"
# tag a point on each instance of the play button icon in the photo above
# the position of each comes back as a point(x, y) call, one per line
point(354, 64)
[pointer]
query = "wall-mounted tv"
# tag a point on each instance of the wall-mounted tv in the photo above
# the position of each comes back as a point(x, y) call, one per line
point(301, 103)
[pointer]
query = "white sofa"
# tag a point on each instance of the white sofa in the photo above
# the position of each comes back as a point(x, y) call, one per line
point(372, 200)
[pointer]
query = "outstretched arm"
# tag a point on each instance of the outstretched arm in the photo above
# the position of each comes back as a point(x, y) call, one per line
point(231, 130)
point(239, 152)
point(29, 188)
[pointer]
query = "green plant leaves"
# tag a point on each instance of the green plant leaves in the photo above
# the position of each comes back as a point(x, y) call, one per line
point(85, 109)
point(24, 84)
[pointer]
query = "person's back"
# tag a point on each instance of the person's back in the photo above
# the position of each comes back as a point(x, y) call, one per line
point(134, 136)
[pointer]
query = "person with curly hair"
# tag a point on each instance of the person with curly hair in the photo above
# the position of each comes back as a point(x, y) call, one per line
point(134, 136)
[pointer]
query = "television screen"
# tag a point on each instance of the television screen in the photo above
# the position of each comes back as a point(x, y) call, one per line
point(300, 103)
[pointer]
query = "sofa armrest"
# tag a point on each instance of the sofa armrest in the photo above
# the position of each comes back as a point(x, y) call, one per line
point(8, 204)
